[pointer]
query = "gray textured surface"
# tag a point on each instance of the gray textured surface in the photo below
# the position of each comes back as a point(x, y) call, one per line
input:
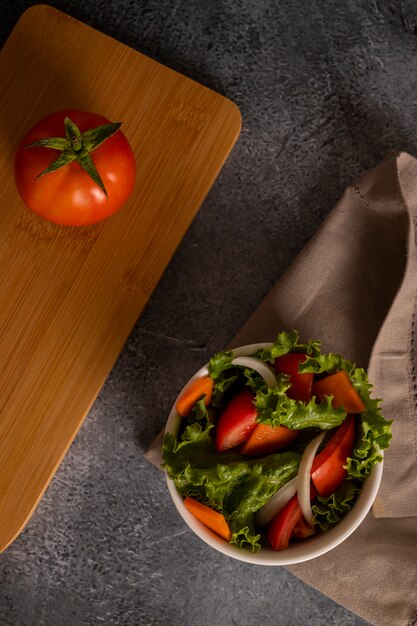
point(325, 90)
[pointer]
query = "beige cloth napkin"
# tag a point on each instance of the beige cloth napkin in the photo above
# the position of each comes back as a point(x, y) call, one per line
point(354, 286)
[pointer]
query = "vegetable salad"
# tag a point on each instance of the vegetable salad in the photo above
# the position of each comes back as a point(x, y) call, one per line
point(274, 447)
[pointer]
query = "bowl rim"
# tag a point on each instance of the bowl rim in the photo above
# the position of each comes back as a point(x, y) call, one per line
point(296, 553)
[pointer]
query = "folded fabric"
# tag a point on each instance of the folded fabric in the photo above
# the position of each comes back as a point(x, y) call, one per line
point(354, 286)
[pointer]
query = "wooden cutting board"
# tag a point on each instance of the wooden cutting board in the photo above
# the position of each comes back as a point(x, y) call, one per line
point(70, 296)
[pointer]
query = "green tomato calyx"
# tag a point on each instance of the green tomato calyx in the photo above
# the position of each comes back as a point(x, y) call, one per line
point(77, 146)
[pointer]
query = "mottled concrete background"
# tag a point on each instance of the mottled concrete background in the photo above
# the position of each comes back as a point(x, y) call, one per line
point(325, 90)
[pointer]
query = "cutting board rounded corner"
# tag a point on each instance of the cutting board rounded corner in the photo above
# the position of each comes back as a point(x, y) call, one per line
point(36, 10)
point(235, 115)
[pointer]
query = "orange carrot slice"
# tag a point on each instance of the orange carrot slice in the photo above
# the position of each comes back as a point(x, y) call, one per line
point(267, 439)
point(198, 388)
point(210, 518)
point(339, 386)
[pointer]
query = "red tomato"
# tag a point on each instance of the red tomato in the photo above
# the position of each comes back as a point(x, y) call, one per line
point(69, 196)
point(283, 524)
point(302, 530)
point(236, 422)
point(286, 522)
point(327, 471)
point(301, 384)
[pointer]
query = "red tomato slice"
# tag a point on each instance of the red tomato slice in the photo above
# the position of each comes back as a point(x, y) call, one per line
point(282, 526)
point(327, 471)
point(284, 523)
point(267, 439)
point(302, 530)
point(301, 384)
point(237, 421)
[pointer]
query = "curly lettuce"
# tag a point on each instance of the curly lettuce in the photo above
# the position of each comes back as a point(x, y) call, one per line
point(263, 479)
point(219, 371)
point(239, 486)
point(288, 341)
point(329, 511)
point(226, 481)
point(374, 430)
point(277, 409)
point(325, 363)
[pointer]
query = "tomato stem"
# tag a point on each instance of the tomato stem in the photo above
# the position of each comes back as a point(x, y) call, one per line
point(73, 134)
point(77, 146)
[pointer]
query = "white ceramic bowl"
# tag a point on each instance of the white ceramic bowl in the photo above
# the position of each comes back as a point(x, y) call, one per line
point(297, 552)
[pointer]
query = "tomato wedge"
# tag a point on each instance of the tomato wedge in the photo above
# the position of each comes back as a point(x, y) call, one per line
point(283, 525)
point(266, 439)
point(302, 530)
point(237, 421)
point(327, 471)
point(301, 384)
point(344, 393)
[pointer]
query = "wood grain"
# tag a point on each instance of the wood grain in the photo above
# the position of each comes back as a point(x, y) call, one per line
point(70, 296)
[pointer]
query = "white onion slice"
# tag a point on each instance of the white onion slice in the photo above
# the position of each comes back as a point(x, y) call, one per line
point(276, 503)
point(259, 366)
point(304, 479)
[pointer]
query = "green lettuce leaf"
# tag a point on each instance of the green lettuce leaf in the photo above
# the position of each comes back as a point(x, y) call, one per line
point(275, 408)
point(197, 469)
point(330, 510)
point(200, 413)
point(254, 380)
point(218, 363)
point(195, 441)
point(262, 480)
point(330, 363)
point(219, 371)
point(374, 432)
point(288, 342)
point(227, 481)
